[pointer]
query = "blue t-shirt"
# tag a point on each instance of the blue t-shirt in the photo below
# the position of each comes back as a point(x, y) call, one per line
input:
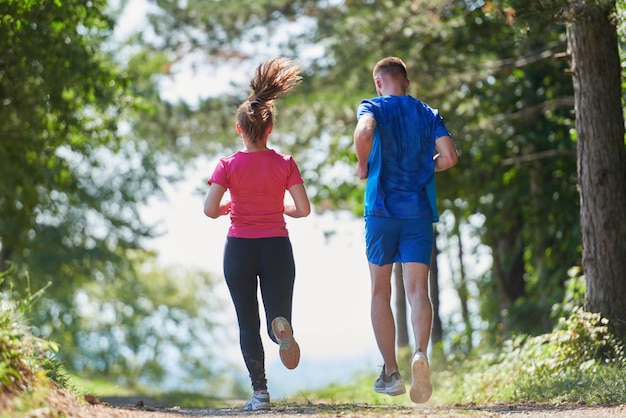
point(400, 180)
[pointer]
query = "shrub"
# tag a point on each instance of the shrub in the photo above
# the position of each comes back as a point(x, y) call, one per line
point(24, 358)
point(579, 361)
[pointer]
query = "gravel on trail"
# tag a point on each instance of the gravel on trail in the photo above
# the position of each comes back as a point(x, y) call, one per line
point(61, 403)
point(138, 409)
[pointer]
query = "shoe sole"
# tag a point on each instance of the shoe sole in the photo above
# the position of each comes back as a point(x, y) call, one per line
point(289, 350)
point(421, 389)
point(400, 391)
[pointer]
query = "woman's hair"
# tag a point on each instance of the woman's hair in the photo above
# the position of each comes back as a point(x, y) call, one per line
point(272, 79)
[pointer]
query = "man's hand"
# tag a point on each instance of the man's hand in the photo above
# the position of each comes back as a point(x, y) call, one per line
point(361, 171)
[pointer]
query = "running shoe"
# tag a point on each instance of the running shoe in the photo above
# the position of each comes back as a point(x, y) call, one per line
point(258, 402)
point(421, 389)
point(289, 350)
point(389, 385)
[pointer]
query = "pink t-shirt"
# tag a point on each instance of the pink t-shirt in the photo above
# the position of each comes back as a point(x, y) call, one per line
point(257, 182)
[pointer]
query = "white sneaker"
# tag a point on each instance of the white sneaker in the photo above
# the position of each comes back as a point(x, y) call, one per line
point(260, 401)
point(421, 389)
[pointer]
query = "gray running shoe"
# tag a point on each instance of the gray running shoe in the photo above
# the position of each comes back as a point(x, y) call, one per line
point(260, 401)
point(289, 350)
point(421, 389)
point(389, 385)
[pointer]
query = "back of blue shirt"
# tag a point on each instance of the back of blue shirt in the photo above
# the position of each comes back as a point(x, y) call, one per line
point(400, 181)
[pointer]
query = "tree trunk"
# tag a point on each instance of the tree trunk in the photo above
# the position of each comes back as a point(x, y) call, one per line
point(592, 39)
point(508, 267)
point(463, 293)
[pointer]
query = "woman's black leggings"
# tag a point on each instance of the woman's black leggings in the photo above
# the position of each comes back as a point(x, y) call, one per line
point(271, 261)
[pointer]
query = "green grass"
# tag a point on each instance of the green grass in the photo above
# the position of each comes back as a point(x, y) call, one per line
point(102, 388)
point(361, 392)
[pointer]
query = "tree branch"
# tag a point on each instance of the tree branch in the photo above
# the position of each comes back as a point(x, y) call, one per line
point(521, 159)
point(553, 50)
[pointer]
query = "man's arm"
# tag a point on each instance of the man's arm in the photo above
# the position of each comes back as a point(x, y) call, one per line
point(363, 139)
point(446, 153)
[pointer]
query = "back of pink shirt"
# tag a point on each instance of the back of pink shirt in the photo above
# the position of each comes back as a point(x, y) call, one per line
point(257, 182)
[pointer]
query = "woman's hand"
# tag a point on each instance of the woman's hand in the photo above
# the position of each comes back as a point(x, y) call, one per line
point(225, 208)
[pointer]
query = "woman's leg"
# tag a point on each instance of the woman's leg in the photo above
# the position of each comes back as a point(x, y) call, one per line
point(240, 270)
point(276, 277)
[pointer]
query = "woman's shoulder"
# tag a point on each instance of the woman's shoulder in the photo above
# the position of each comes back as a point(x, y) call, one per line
point(280, 155)
point(231, 157)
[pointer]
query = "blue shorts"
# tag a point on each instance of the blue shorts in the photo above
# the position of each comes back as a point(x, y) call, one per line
point(391, 240)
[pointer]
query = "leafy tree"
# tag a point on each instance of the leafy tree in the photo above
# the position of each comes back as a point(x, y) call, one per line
point(69, 185)
point(72, 181)
point(52, 86)
point(519, 171)
point(601, 155)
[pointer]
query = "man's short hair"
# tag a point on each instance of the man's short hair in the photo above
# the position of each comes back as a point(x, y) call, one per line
point(390, 65)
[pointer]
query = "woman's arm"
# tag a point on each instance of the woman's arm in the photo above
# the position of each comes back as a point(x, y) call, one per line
point(213, 207)
point(301, 206)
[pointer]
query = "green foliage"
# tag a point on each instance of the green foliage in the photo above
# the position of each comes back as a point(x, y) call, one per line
point(541, 15)
point(360, 391)
point(56, 88)
point(579, 361)
point(127, 328)
point(574, 294)
point(193, 399)
point(177, 132)
point(69, 184)
point(516, 147)
point(105, 388)
point(24, 358)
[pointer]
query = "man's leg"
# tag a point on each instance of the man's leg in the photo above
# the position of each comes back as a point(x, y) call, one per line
point(382, 316)
point(416, 286)
point(415, 277)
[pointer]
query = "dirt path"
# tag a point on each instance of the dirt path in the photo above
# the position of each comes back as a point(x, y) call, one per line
point(139, 410)
point(60, 403)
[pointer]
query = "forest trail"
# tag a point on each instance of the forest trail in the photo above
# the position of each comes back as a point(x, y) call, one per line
point(135, 407)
